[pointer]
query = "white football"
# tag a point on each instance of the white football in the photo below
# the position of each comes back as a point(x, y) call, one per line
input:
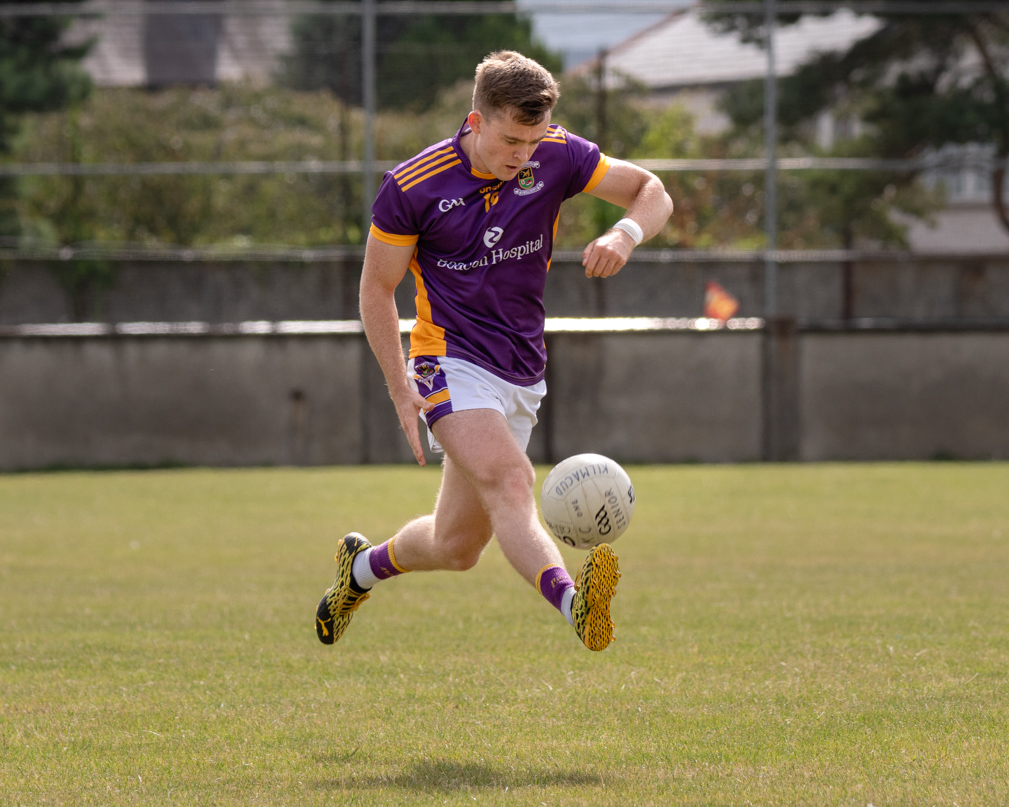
point(587, 500)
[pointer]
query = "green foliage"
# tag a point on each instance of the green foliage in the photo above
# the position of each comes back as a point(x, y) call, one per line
point(712, 209)
point(418, 55)
point(245, 123)
point(37, 73)
point(825, 208)
point(435, 53)
point(233, 123)
point(616, 118)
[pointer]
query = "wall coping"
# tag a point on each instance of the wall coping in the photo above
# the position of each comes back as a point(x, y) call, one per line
point(553, 325)
point(317, 327)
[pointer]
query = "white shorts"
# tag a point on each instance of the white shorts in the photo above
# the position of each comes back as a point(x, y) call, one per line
point(455, 385)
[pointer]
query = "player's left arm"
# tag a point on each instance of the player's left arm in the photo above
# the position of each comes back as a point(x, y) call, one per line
point(644, 197)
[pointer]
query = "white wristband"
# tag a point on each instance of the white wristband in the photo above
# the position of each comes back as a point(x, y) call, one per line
point(632, 228)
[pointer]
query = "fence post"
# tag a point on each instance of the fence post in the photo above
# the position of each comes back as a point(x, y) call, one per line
point(771, 170)
point(368, 91)
point(780, 390)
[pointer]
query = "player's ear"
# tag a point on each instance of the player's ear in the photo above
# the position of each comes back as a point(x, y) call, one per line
point(475, 120)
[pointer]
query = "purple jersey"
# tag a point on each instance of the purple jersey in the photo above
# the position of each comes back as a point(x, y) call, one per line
point(483, 247)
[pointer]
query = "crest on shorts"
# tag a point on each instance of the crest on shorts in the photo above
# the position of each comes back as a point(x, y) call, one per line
point(425, 372)
point(526, 180)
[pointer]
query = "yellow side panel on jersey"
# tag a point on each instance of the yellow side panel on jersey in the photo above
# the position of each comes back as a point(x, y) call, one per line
point(426, 338)
point(599, 173)
point(557, 221)
point(393, 239)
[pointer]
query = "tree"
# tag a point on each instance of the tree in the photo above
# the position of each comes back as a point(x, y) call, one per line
point(229, 123)
point(38, 73)
point(713, 209)
point(418, 56)
point(916, 84)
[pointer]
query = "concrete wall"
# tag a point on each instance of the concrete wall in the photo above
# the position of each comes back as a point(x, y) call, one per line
point(177, 292)
point(193, 401)
point(904, 396)
point(655, 397)
point(920, 289)
point(667, 396)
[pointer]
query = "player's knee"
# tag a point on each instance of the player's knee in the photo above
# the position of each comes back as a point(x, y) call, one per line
point(463, 561)
point(462, 550)
point(514, 481)
point(464, 555)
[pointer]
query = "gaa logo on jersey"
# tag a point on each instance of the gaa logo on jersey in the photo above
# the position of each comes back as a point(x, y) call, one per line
point(526, 180)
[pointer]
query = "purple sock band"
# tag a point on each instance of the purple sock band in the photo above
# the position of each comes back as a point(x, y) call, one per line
point(552, 582)
point(383, 562)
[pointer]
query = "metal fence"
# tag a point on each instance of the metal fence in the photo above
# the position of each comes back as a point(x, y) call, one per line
point(296, 108)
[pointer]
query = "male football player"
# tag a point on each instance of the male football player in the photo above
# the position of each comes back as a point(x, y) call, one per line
point(473, 219)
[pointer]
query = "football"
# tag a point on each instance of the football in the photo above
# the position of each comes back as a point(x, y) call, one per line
point(587, 500)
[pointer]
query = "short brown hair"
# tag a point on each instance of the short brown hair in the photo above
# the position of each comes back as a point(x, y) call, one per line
point(507, 80)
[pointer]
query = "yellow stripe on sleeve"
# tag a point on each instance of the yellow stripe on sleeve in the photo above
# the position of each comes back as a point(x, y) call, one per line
point(394, 240)
point(599, 173)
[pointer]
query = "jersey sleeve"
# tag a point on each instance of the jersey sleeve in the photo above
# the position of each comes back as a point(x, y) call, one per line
point(588, 165)
point(393, 220)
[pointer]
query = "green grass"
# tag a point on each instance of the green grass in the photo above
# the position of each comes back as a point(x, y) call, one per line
point(827, 634)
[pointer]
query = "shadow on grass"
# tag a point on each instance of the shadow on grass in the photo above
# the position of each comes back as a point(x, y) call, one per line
point(446, 775)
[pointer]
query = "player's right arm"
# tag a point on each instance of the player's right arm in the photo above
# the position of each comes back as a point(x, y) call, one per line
point(385, 265)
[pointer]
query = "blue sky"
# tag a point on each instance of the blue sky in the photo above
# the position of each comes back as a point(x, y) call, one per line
point(581, 36)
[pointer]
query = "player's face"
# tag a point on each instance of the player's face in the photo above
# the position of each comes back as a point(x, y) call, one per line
point(501, 146)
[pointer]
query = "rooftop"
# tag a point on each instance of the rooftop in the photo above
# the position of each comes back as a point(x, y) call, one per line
point(682, 51)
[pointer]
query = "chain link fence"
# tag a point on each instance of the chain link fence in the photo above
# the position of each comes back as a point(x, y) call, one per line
point(258, 130)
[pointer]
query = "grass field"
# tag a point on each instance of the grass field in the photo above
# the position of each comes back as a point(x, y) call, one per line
point(826, 634)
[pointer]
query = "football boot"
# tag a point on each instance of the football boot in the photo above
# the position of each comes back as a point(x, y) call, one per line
point(595, 585)
point(338, 604)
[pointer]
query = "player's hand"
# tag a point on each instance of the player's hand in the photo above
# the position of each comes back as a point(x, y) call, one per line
point(607, 255)
point(409, 404)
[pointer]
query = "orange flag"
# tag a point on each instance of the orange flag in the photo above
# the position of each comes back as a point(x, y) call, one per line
point(718, 303)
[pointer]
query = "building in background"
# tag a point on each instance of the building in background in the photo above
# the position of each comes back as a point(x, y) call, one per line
point(159, 50)
point(680, 58)
point(581, 36)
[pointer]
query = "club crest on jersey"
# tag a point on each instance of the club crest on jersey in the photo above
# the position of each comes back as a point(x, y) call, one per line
point(425, 373)
point(527, 183)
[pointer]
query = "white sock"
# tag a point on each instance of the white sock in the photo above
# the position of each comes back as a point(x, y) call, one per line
point(361, 570)
point(569, 595)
